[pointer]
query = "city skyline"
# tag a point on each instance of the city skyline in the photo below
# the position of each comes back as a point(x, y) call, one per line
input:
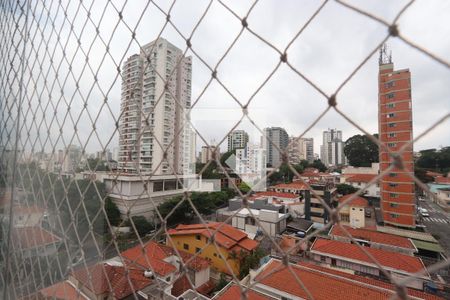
point(245, 68)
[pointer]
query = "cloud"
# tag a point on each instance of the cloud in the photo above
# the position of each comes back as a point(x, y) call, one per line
point(327, 52)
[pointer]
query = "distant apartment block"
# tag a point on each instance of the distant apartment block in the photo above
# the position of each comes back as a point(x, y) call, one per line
point(251, 166)
point(153, 118)
point(332, 149)
point(274, 140)
point(207, 153)
point(238, 139)
point(395, 128)
point(300, 149)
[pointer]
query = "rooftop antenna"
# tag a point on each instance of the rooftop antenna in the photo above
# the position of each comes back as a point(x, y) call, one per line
point(385, 58)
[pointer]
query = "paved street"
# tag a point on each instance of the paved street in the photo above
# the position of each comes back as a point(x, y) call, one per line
point(438, 223)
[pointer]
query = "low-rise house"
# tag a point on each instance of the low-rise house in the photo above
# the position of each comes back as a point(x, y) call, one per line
point(292, 203)
point(353, 211)
point(297, 188)
point(106, 281)
point(222, 244)
point(165, 263)
point(361, 181)
point(374, 239)
point(35, 241)
point(349, 256)
point(308, 281)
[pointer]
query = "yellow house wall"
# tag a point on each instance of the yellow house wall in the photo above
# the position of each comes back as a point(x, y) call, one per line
point(216, 261)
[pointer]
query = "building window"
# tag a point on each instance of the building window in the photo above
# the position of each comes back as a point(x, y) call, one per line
point(197, 237)
point(393, 195)
point(323, 259)
point(391, 135)
point(393, 204)
point(197, 250)
point(390, 95)
point(390, 105)
point(392, 174)
point(391, 125)
point(394, 216)
point(389, 84)
point(391, 144)
point(390, 115)
point(185, 246)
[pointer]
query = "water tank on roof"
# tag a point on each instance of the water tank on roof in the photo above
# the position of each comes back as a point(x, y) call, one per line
point(148, 274)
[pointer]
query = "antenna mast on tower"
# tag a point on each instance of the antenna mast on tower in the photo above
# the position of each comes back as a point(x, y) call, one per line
point(385, 58)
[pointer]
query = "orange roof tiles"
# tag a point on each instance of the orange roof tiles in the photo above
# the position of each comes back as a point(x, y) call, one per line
point(357, 201)
point(274, 194)
point(233, 292)
point(442, 180)
point(103, 278)
point(61, 291)
point(156, 253)
point(227, 236)
point(373, 236)
point(292, 185)
point(322, 285)
point(367, 280)
point(360, 177)
point(387, 259)
point(153, 258)
point(32, 237)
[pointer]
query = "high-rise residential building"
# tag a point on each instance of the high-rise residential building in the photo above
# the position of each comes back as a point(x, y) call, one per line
point(251, 166)
point(238, 139)
point(395, 128)
point(332, 149)
point(274, 136)
point(301, 149)
point(207, 153)
point(153, 114)
point(71, 159)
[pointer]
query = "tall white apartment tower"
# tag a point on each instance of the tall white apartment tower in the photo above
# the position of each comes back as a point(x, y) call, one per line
point(153, 115)
point(332, 149)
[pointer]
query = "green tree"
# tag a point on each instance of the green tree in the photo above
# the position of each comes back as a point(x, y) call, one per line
point(318, 164)
point(421, 174)
point(250, 261)
point(112, 211)
point(142, 225)
point(436, 160)
point(361, 151)
point(345, 189)
point(244, 188)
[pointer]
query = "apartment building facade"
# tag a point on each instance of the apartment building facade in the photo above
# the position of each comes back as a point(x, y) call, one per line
point(155, 101)
point(237, 139)
point(332, 149)
point(274, 140)
point(395, 128)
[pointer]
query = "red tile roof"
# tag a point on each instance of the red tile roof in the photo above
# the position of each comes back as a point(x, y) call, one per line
point(367, 280)
point(274, 194)
point(360, 177)
point(392, 260)
point(182, 284)
point(292, 185)
point(227, 236)
point(61, 291)
point(442, 180)
point(373, 236)
point(233, 292)
point(104, 278)
point(323, 284)
point(32, 237)
point(156, 253)
point(357, 201)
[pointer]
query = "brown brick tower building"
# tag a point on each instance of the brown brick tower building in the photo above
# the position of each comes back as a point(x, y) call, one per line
point(395, 128)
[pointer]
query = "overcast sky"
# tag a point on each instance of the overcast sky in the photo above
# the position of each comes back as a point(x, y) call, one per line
point(329, 49)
